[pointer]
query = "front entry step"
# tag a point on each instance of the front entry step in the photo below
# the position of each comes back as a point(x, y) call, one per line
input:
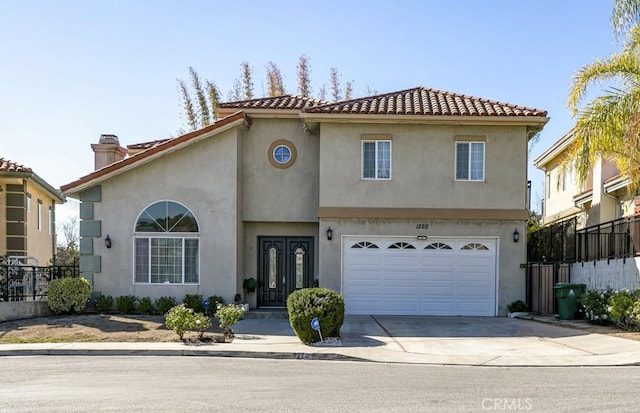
point(266, 313)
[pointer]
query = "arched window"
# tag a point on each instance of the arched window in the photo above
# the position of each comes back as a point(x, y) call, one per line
point(167, 249)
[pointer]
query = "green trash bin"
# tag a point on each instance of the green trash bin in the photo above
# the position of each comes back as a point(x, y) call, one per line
point(568, 295)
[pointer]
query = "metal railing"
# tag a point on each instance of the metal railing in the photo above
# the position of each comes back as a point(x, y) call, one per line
point(25, 282)
point(615, 239)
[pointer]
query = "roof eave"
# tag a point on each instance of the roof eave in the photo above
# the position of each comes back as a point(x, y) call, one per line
point(74, 188)
point(553, 151)
point(41, 182)
point(536, 121)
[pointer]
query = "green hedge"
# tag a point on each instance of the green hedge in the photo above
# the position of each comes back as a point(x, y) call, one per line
point(306, 304)
point(68, 294)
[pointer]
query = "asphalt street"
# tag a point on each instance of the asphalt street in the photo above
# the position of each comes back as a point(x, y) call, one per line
point(163, 384)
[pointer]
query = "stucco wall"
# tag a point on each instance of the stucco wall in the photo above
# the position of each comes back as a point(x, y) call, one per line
point(616, 274)
point(17, 310)
point(40, 241)
point(510, 277)
point(273, 194)
point(423, 168)
point(203, 177)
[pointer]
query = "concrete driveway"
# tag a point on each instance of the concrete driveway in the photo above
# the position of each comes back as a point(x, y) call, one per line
point(492, 341)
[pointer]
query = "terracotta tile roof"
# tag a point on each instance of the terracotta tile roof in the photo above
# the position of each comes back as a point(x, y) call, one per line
point(278, 102)
point(9, 166)
point(147, 145)
point(424, 101)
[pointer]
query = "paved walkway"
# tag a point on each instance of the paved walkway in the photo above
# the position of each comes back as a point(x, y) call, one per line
point(475, 341)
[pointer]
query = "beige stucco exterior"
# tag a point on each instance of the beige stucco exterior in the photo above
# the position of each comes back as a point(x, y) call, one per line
point(593, 202)
point(37, 223)
point(230, 182)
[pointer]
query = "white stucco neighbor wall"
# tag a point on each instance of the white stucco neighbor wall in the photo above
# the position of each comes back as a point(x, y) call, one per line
point(616, 274)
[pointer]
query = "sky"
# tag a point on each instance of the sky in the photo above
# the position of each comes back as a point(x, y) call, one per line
point(73, 70)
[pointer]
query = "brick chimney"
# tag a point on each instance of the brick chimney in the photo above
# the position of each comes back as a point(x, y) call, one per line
point(107, 151)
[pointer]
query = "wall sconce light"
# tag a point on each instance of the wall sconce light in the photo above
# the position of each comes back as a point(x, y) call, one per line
point(329, 233)
point(107, 241)
point(516, 235)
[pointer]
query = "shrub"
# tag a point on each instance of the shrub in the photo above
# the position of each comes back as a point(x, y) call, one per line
point(517, 306)
point(104, 303)
point(66, 294)
point(179, 319)
point(250, 284)
point(193, 301)
point(164, 304)
point(595, 305)
point(227, 316)
point(214, 302)
point(237, 298)
point(306, 304)
point(621, 306)
point(126, 304)
point(200, 324)
point(145, 306)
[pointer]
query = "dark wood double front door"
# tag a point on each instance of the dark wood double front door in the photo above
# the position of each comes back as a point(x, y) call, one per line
point(285, 264)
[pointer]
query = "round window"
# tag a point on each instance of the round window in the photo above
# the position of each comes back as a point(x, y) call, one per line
point(282, 154)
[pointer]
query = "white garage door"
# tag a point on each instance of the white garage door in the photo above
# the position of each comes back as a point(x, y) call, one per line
point(402, 275)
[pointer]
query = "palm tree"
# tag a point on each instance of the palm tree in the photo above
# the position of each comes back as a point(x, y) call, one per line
point(609, 125)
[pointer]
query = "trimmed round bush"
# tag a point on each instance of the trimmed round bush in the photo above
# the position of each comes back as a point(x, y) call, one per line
point(306, 304)
point(68, 294)
point(179, 319)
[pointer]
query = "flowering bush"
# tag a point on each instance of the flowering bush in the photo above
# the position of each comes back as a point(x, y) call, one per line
point(595, 306)
point(66, 294)
point(201, 323)
point(179, 319)
point(227, 316)
point(621, 308)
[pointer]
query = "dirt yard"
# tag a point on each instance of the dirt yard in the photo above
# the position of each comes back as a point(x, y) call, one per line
point(95, 327)
point(151, 328)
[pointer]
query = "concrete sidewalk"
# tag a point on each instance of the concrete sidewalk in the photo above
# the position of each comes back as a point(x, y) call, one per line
point(473, 341)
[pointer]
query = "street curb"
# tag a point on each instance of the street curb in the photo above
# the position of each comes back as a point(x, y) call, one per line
point(182, 353)
point(272, 356)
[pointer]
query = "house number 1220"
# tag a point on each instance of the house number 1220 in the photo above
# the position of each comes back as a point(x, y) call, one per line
point(422, 226)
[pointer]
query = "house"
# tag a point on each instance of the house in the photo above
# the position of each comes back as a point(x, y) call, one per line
point(27, 214)
point(606, 213)
point(603, 197)
point(408, 202)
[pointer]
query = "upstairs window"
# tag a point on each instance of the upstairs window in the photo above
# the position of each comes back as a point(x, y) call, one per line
point(376, 159)
point(469, 161)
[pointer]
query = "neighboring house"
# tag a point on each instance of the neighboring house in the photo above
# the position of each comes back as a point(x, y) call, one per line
point(406, 203)
point(607, 219)
point(603, 197)
point(27, 214)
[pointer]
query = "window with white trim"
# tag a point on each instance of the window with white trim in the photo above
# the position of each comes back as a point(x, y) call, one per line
point(376, 159)
point(469, 161)
point(166, 245)
point(39, 215)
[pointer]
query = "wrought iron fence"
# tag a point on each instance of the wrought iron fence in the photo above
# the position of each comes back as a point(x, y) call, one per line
point(561, 242)
point(615, 239)
point(555, 243)
point(27, 282)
